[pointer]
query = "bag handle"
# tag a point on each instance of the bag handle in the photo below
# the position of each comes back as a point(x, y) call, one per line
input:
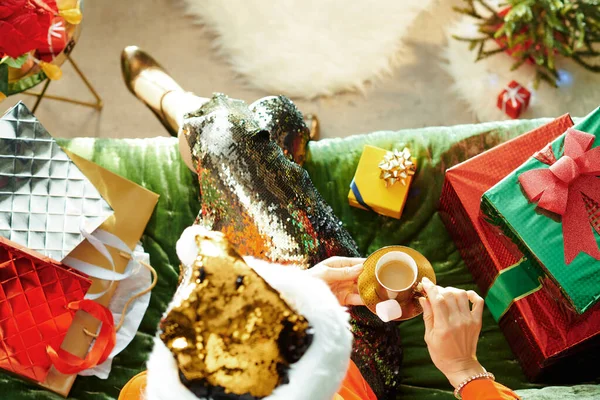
point(99, 239)
point(66, 362)
point(135, 296)
point(106, 339)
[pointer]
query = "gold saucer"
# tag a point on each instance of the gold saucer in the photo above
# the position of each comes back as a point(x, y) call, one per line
point(367, 283)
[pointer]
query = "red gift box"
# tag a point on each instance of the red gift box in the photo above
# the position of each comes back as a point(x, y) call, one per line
point(35, 292)
point(514, 99)
point(549, 339)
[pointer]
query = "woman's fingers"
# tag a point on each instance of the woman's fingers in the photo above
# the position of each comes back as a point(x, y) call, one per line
point(451, 301)
point(349, 273)
point(340, 262)
point(437, 302)
point(478, 304)
point(427, 314)
point(462, 301)
point(353, 299)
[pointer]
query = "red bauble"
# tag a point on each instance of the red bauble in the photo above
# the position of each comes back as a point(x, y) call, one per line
point(56, 40)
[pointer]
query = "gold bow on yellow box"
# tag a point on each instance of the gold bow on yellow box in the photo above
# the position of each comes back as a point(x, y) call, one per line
point(397, 166)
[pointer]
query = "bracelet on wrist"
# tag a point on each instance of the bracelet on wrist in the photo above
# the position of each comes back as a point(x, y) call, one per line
point(483, 375)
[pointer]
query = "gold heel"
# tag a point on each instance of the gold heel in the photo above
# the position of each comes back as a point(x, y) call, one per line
point(312, 122)
point(137, 64)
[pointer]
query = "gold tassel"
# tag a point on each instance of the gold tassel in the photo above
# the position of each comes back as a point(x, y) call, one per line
point(72, 16)
point(70, 10)
point(2, 97)
point(53, 72)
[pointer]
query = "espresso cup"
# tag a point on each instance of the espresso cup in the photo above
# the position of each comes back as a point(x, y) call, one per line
point(396, 273)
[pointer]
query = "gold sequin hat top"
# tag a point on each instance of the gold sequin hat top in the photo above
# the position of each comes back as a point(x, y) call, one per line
point(228, 330)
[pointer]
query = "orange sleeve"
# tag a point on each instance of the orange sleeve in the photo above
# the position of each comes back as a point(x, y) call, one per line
point(354, 386)
point(486, 389)
point(135, 388)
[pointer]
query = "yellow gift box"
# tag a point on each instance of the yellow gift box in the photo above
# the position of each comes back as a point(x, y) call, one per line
point(368, 189)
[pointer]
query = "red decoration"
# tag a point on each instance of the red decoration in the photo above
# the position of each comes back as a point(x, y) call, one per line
point(513, 100)
point(56, 40)
point(561, 190)
point(35, 294)
point(24, 25)
point(516, 49)
point(503, 40)
point(66, 362)
point(548, 337)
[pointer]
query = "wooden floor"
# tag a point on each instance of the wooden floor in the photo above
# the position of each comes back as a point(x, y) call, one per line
point(418, 94)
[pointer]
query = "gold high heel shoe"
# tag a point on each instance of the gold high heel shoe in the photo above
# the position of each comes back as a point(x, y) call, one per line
point(312, 122)
point(149, 82)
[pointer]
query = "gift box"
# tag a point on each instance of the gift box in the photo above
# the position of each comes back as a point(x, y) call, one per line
point(382, 181)
point(551, 341)
point(514, 99)
point(548, 208)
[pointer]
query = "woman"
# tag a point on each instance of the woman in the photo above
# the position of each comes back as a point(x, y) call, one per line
point(222, 122)
point(452, 320)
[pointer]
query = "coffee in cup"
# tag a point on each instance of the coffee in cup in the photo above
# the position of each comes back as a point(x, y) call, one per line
point(396, 273)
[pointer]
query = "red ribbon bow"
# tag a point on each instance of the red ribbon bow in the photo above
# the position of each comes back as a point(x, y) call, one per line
point(66, 362)
point(564, 189)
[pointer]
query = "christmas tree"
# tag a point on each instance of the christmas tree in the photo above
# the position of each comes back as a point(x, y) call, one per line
point(537, 31)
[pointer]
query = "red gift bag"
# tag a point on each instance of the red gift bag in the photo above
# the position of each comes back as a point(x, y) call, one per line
point(38, 301)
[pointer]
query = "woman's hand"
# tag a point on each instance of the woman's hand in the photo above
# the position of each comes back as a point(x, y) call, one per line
point(341, 273)
point(452, 330)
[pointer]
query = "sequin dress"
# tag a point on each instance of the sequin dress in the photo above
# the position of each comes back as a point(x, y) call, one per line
point(267, 207)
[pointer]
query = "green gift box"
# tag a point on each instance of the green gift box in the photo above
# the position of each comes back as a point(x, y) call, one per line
point(549, 208)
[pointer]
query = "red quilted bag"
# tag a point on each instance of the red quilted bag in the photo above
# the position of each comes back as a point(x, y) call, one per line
point(38, 300)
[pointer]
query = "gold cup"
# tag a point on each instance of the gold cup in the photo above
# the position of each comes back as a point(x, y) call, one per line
point(401, 295)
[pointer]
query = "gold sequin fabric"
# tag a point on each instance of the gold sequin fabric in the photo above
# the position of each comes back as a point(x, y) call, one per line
point(229, 331)
point(267, 207)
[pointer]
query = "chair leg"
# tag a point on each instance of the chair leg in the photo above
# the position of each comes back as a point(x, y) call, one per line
point(41, 95)
point(97, 105)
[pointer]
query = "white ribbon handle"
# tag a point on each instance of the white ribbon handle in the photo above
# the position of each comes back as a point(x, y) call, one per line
point(99, 239)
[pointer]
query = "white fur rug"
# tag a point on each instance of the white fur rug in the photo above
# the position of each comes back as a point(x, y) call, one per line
point(307, 48)
point(479, 83)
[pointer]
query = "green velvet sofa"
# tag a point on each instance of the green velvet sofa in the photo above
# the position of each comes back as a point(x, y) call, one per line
point(156, 165)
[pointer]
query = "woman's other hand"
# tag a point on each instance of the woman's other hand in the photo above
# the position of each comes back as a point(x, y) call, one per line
point(341, 274)
point(452, 330)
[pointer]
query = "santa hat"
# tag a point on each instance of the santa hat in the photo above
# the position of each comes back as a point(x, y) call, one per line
point(318, 372)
